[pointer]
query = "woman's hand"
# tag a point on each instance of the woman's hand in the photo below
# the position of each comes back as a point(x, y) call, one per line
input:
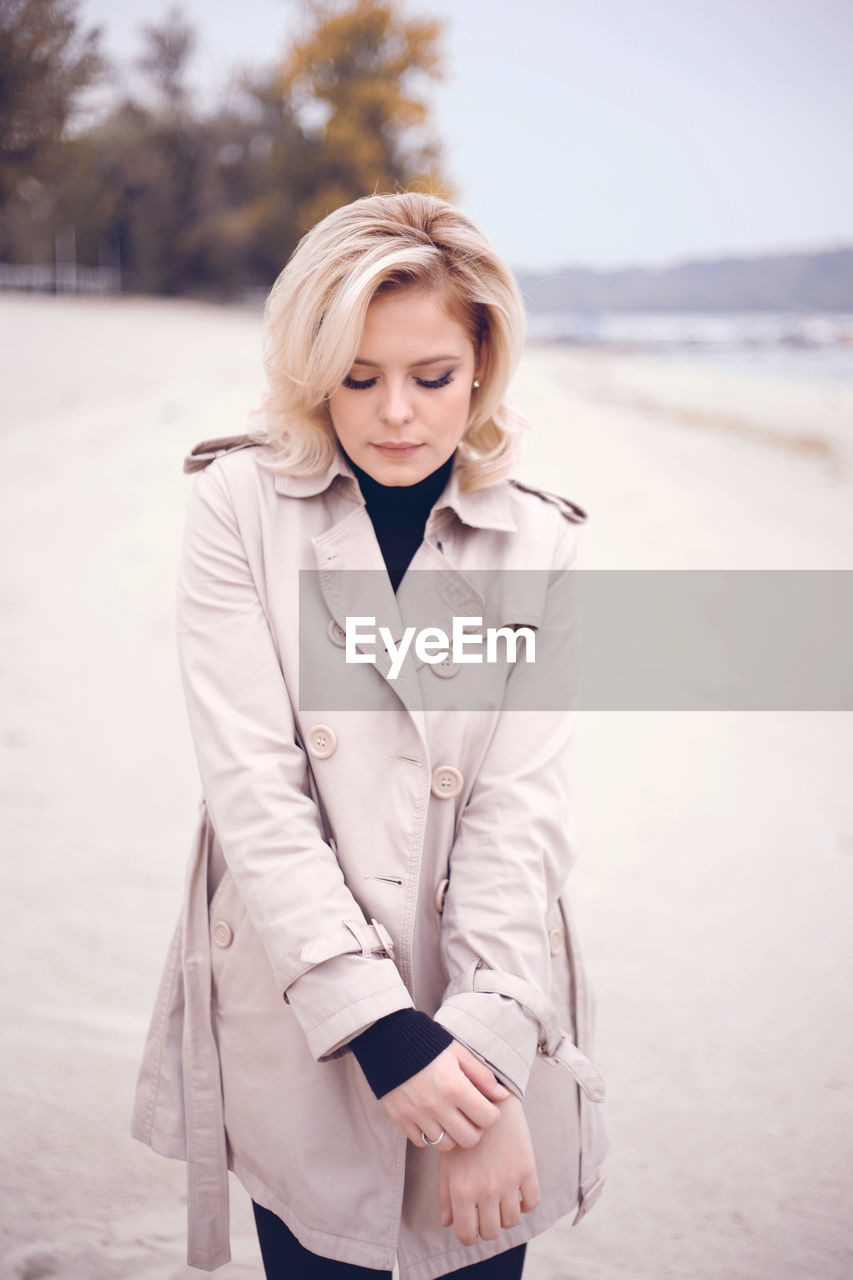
point(452, 1093)
point(488, 1188)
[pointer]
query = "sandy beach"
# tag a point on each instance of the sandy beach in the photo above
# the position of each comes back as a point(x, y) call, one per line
point(713, 892)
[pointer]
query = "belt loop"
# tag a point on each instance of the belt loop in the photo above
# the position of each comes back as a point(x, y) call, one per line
point(385, 939)
point(360, 936)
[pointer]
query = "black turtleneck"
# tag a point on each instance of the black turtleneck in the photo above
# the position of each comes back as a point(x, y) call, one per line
point(399, 514)
point(399, 1045)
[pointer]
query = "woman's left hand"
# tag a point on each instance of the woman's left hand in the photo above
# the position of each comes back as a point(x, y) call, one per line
point(486, 1188)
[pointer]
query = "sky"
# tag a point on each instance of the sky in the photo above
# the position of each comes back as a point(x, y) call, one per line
point(606, 132)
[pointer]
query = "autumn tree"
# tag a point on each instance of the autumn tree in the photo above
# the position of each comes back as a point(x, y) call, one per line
point(168, 48)
point(163, 175)
point(276, 172)
point(194, 202)
point(46, 62)
point(355, 80)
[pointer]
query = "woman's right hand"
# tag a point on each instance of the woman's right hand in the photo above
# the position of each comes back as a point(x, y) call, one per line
point(455, 1092)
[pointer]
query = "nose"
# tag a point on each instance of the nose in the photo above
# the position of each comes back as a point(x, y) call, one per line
point(395, 409)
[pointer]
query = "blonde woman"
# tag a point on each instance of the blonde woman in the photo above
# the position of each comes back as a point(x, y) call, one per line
point(375, 974)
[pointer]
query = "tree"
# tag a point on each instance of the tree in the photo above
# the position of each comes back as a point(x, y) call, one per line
point(353, 81)
point(162, 171)
point(192, 202)
point(46, 61)
point(168, 48)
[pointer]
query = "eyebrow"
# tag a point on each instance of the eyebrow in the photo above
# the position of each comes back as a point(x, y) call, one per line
point(418, 364)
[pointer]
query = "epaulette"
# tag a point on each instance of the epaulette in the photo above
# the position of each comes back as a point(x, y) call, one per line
point(570, 510)
point(209, 450)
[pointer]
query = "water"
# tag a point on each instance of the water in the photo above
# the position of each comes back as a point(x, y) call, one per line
point(787, 344)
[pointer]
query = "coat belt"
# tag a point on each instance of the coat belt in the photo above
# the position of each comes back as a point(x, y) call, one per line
point(206, 1151)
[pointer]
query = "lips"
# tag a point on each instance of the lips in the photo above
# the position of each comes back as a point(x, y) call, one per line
point(397, 448)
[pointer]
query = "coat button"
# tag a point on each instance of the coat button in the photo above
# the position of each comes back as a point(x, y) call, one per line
point(446, 782)
point(222, 934)
point(555, 941)
point(440, 895)
point(321, 741)
point(336, 634)
point(446, 668)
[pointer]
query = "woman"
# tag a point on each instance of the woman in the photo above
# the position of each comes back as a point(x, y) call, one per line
point(374, 972)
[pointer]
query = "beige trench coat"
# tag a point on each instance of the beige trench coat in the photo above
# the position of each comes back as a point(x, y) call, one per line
point(349, 863)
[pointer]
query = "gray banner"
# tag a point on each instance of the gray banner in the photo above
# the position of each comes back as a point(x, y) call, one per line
point(591, 640)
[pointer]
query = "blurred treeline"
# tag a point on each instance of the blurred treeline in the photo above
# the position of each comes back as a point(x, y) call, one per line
point(206, 202)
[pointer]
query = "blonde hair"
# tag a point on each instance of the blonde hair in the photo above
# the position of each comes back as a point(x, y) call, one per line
point(315, 315)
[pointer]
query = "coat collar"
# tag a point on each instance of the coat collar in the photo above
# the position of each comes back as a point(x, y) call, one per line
point(487, 508)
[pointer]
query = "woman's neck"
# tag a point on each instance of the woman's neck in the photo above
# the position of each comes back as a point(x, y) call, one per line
point(422, 493)
point(399, 513)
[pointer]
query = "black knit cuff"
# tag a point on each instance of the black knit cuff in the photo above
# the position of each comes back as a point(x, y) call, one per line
point(397, 1047)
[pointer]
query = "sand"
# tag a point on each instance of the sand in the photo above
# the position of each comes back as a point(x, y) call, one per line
point(714, 888)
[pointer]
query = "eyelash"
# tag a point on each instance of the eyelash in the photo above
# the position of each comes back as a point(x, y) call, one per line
point(432, 384)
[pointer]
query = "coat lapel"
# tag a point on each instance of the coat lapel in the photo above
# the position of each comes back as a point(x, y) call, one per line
point(353, 582)
point(433, 592)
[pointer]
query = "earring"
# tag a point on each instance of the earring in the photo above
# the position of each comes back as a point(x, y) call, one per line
point(476, 384)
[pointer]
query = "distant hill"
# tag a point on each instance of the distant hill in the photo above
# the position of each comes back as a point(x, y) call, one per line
point(821, 281)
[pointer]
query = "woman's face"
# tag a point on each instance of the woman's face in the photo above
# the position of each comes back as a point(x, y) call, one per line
point(402, 409)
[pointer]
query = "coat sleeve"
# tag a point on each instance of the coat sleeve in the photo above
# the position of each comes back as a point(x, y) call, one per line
point(512, 854)
point(332, 966)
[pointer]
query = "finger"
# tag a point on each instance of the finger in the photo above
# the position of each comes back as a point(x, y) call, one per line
point(481, 1113)
point(480, 1076)
point(511, 1210)
point(529, 1192)
point(415, 1134)
point(433, 1128)
point(441, 1142)
point(444, 1194)
point(465, 1221)
point(489, 1215)
point(461, 1131)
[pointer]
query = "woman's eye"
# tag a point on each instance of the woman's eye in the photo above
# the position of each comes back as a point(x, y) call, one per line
point(353, 384)
point(436, 382)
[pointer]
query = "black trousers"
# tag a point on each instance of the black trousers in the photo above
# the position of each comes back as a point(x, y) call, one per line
point(286, 1259)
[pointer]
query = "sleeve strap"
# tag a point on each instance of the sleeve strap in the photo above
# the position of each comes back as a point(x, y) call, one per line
point(555, 1045)
point(349, 938)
